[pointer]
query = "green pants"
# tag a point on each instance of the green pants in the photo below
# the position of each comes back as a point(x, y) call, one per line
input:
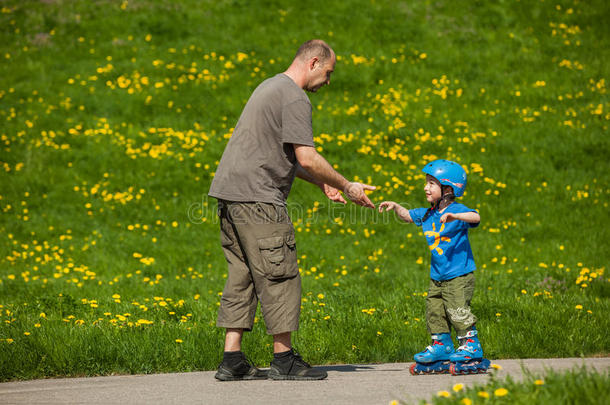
point(448, 304)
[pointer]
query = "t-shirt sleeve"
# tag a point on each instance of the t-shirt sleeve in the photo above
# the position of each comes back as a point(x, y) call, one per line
point(417, 215)
point(296, 123)
point(460, 208)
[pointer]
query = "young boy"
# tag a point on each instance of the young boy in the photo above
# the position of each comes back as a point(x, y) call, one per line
point(445, 225)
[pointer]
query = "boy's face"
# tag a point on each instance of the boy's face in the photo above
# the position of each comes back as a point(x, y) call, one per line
point(432, 189)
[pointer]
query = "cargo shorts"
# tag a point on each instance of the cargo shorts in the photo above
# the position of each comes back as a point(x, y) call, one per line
point(258, 242)
point(448, 304)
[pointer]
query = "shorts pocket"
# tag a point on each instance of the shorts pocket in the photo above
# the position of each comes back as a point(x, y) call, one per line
point(279, 256)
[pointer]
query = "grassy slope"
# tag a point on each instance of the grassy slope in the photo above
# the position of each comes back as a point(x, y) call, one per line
point(533, 150)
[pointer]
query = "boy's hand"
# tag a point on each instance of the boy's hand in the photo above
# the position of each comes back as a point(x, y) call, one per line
point(388, 205)
point(472, 217)
point(448, 217)
point(400, 211)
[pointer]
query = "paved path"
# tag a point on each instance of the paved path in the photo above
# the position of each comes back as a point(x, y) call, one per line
point(346, 384)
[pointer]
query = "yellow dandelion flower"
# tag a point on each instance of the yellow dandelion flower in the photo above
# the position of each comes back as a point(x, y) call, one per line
point(539, 382)
point(144, 322)
point(466, 401)
point(178, 340)
point(496, 367)
point(500, 392)
point(458, 387)
point(444, 394)
point(483, 394)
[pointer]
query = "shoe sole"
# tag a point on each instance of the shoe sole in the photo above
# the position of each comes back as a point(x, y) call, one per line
point(295, 377)
point(229, 377)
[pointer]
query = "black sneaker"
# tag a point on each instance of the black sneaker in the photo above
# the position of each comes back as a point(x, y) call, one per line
point(294, 368)
point(243, 369)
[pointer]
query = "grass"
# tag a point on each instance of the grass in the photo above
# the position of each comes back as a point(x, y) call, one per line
point(577, 386)
point(115, 113)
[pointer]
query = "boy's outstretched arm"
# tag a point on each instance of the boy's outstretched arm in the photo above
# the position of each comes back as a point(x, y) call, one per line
point(469, 217)
point(401, 211)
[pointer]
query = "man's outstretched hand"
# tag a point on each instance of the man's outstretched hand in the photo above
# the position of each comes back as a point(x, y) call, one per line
point(333, 194)
point(355, 192)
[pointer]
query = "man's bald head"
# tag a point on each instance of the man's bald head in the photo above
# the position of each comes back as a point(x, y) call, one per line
point(312, 65)
point(315, 48)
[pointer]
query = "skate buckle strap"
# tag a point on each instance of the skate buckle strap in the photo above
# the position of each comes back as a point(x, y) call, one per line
point(469, 334)
point(465, 348)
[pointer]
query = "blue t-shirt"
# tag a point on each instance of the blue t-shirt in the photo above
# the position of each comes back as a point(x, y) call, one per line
point(451, 252)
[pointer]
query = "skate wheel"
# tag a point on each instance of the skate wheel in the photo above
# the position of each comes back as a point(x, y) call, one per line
point(412, 369)
point(452, 369)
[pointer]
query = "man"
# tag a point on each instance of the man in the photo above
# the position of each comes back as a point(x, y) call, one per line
point(271, 144)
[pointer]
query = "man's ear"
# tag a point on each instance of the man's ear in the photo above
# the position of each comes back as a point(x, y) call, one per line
point(313, 63)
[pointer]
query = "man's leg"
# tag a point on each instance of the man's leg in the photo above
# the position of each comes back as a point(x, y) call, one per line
point(237, 306)
point(233, 340)
point(282, 342)
point(267, 240)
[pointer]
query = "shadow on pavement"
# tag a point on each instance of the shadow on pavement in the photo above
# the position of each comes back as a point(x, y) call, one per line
point(350, 368)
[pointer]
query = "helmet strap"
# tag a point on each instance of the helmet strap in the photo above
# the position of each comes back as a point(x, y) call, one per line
point(447, 197)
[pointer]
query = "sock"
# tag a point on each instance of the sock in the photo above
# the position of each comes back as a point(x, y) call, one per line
point(232, 357)
point(282, 356)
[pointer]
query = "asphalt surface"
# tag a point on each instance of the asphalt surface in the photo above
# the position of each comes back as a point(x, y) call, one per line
point(351, 384)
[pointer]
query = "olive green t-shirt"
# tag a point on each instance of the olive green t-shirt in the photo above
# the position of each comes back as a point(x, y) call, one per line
point(259, 163)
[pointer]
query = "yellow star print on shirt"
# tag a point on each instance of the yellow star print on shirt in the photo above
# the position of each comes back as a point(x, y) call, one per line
point(437, 238)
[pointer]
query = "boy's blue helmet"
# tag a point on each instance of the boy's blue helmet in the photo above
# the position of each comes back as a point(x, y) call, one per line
point(448, 173)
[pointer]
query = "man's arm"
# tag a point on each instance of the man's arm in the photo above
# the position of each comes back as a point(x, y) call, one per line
point(316, 168)
point(331, 192)
point(304, 175)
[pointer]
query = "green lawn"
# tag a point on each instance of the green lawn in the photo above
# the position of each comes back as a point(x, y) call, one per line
point(114, 114)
